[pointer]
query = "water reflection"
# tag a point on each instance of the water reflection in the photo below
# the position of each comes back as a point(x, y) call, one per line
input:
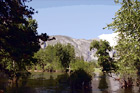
point(80, 81)
point(103, 85)
point(129, 90)
point(60, 83)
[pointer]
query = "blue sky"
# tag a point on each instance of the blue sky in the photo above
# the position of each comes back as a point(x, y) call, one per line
point(75, 18)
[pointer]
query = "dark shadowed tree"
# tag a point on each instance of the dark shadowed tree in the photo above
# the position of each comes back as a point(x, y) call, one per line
point(102, 53)
point(18, 36)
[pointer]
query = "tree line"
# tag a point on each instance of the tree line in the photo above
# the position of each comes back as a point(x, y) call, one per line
point(60, 57)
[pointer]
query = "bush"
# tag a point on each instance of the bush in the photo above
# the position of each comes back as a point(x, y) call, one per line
point(80, 64)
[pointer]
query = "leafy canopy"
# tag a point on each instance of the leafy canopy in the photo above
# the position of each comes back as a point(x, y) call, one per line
point(102, 53)
point(126, 23)
point(19, 39)
point(57, 56)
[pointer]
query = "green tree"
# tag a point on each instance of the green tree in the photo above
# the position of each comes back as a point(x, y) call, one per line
point(55, 57)
point(102, 53)
point(81, 64)
point(126, 23)
point(65, 54)
point(20, 47)
point(41, 58)
point(47, 59)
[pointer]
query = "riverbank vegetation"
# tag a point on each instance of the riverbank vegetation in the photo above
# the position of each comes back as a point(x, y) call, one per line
point(60, 58)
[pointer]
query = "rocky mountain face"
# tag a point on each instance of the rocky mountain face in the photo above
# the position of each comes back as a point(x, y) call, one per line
point(82, 46)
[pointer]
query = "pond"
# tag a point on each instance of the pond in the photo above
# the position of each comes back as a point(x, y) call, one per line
point(46, 82)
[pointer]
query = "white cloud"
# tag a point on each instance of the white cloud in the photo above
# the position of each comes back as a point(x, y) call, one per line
point(111, 38)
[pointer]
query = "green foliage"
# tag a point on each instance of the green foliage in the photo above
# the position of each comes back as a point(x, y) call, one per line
point(55, 57)
point(94, 63)
point(126, 23)
point(16, 44)
point(65, 54)
point(18, 36)
point(19, 39)
point(61, 57)
point(19, 49)
point(94, 44)
point(81, 64)
point(102, 53)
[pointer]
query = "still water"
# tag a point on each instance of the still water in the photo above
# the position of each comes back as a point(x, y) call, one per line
point(58, 83)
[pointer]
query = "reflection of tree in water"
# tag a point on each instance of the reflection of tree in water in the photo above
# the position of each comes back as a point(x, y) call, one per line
point(55, 85)
point(128, 90)
point(62, 78)
point(138, 82)
point(51, 82)
point(80, 79)
point(103, 84)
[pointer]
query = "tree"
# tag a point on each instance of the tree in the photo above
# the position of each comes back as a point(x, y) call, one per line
point(46, 58)
point(55, 57)
point(65, 54)
point(126, 23)
point(81, 64)
point(102, 53)
point(19, 39)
